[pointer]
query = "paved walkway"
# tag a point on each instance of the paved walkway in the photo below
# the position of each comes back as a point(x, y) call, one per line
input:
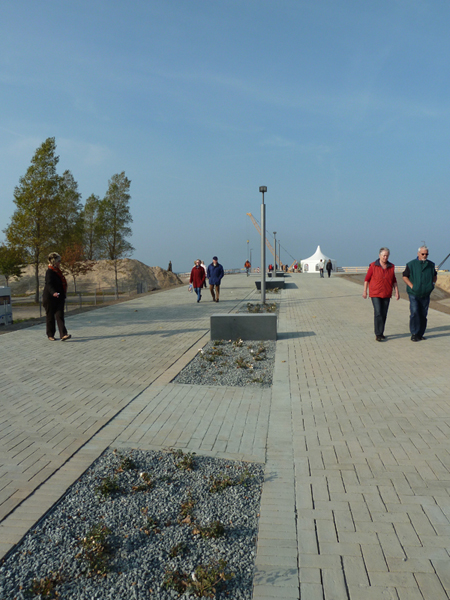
point(354, 433)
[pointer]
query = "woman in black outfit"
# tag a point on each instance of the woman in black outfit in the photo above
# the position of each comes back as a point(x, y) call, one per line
point(53, 298)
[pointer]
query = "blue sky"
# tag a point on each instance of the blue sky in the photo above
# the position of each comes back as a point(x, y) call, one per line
point(340, 107)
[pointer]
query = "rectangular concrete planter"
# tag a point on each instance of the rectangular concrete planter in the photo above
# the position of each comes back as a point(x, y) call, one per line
point(271, 284)
point(244, 326)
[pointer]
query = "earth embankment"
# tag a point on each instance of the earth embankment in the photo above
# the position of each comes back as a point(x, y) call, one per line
point(130, 274)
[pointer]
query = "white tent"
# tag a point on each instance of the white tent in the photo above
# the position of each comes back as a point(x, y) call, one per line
point(311, 264)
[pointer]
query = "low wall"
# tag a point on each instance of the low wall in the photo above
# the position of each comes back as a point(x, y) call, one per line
point(243, 326)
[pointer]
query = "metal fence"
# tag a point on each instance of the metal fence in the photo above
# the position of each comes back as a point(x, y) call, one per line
point(24, 308)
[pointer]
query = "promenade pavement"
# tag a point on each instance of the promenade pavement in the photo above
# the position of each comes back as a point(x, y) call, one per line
point(354, 433)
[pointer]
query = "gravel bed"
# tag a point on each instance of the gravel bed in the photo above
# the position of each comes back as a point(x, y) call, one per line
point(147, 526)
point(230, 363)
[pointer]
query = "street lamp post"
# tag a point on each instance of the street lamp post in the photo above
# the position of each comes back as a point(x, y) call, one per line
point(263, 189)
point(279, 251)
point(248, 241)
point(275, 244)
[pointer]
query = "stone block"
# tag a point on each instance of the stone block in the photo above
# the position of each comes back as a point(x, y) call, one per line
point(244, 327)
point(272, 284)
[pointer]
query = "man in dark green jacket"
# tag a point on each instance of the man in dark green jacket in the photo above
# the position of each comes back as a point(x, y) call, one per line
point(420, 276)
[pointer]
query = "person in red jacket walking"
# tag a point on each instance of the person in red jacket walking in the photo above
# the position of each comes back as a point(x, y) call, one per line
point(381, 281)
point(197, 278)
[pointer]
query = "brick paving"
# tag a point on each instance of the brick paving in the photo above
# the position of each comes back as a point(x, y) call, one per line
point(354, 433)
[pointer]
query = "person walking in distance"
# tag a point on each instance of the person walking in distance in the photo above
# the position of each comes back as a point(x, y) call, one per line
point(329, 267)
point(420, 276)
point(247, 266)
point(381, 281)
point(197, 278)
point(215, 274)
point(53, 298)
point(321, 266)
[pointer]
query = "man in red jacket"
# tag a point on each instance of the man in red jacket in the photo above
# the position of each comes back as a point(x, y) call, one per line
point(381, 281)
point(197, 278)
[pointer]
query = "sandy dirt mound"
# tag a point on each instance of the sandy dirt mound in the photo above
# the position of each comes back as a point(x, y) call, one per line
point(131, 274)
point(443, 281)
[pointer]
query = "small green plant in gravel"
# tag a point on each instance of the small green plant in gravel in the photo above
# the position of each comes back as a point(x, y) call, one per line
point(46, 587)
point(151, 525)
point(204, 582)
point(218, 343)
point(259, 308)
point(215, 529)
point(257, 380)
point(209, 357)
point(176, 580)
point(238, 343)
point(178, 550)
point(166, 478)
point(108, 485)
point(218, 484)
point(253, 308)
point(146, 485)
point(126, 462)
point(217, 352)
point(221, 483)
point(187, 510)
point(260, 353)
point(207, 580)
point(241, 363)
point(183, 460)
point(244, 477)
point(96, 549)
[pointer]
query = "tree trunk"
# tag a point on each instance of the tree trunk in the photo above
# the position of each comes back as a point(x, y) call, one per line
point(117, 283)
point(36, 272)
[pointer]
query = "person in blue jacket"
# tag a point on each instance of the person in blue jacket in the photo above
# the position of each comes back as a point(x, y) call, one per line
point(215, 274)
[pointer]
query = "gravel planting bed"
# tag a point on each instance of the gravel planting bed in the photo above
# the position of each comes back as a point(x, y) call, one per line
point(158, 525)
point(238, 363)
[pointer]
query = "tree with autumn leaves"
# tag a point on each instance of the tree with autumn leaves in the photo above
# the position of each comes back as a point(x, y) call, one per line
point(51, 218)
point(75, 263)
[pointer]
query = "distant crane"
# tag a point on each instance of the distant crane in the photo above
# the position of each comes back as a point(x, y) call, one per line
point(440, 264)
point(268, 244)
point(258, 229)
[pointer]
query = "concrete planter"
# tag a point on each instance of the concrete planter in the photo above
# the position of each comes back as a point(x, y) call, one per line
point(244, 326)
point(271, 284)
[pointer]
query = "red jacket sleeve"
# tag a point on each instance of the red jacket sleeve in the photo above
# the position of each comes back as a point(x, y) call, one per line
point(369, 273)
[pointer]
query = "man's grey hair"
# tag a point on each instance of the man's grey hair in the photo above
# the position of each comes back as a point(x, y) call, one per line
point(423, 247)
point(384, 249)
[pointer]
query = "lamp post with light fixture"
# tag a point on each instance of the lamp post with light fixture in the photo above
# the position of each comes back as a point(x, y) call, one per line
point(263, 189)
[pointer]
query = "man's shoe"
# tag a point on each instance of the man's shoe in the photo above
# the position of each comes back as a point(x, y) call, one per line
point(422, 338)
point(415, 338)
point(379, 338)
point(383, 337)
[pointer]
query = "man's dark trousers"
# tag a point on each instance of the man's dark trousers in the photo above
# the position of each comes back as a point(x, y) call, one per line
point(418, 314)
point(380, 311)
